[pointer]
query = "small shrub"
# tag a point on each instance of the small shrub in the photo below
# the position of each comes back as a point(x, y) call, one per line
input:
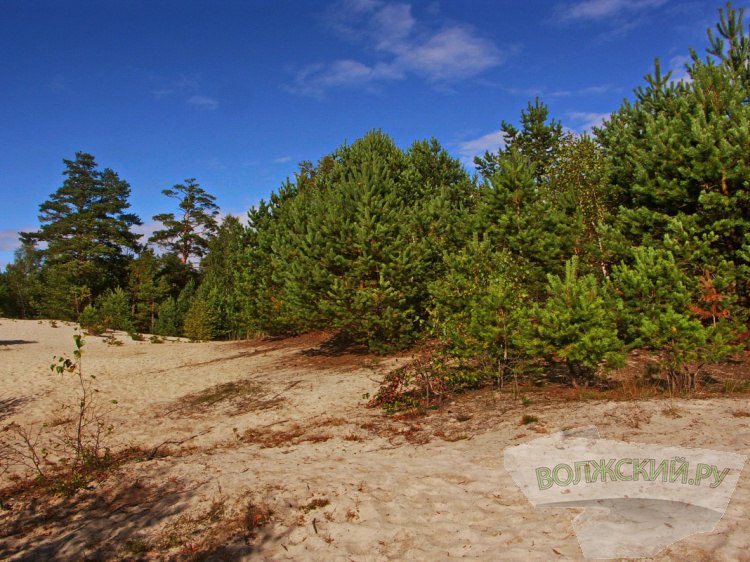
point(64, 454)
point(114, 308)
point(91, 321)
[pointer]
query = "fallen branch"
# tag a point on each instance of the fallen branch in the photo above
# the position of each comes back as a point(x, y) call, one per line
point(175, 442)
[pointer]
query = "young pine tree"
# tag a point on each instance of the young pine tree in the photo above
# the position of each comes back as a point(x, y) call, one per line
point(576, 326)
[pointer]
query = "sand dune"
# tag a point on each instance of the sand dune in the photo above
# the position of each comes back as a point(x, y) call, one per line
point(278, 431)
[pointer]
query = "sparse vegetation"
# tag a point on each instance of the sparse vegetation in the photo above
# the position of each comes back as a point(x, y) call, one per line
point(64, 454)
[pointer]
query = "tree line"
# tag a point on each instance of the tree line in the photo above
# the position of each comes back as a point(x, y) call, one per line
point(561, 253)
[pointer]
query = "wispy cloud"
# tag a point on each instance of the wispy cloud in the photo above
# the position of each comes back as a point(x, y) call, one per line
point(597, 90)
point(147, 229)
point(282, 159)
point(185, 88)
point(398, 46)
point(182, 84)
point(585, 120)
point(601, 9)
point(678, 67)
point(545, 94)
point(9, 240)
point(491, 142)
point(203, 102)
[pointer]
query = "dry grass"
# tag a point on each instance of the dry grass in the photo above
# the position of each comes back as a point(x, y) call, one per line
point(295, 435)
point(218, 531)
point(315, 503)
point(313, 432)
point(236, 397)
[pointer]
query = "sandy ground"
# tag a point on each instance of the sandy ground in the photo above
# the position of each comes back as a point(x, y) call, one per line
point(276, 432)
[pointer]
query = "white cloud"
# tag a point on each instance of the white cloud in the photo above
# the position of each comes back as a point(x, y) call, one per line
point(491, 142)
point(181, 84)
point(678, 67)
point(147, 229)
point(400, 46)
point(317, 78)
point(600, 9)
point(595, 90)
point(450, 54)
point(585, 120)
point(203, 102)
point(543, 94)
point(282, 159)
point(9, 240)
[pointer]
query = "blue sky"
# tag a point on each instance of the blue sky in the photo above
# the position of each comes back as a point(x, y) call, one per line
point(236, 93)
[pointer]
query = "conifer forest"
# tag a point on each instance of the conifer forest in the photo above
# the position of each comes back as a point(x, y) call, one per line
point(557, 257)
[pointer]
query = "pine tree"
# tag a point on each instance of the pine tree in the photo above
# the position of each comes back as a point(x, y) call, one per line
point(575, 325)
point(659, 312)
point(476, 307)
point(87, 233)
point(187, 236)
point(514, 213)
point(352, 243)
point(538, 140)
point(22, 283)
point(217, 285)
point(200, 320)
point(679, 162)
point(147, 288)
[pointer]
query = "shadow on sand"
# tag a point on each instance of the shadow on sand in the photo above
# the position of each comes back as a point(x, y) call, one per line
point(120, 521)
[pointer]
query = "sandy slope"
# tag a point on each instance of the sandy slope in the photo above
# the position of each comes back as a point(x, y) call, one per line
point(385, 489)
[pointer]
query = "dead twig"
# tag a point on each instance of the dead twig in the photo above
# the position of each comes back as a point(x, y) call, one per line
point(175, 442)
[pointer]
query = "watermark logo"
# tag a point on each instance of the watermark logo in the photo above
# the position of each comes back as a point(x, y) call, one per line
point(640, 498)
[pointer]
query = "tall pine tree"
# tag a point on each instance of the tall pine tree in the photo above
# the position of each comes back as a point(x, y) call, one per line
point(86, 229)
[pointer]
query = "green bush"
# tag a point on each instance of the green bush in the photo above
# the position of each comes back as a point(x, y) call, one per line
point(168, 322)
point(114, 308)
point(575, 325)
point(200, 321)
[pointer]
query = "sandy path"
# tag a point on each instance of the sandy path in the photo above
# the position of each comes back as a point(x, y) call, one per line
point(380, 496)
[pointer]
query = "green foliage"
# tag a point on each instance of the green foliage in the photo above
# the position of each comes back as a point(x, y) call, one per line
point(578, 183)
point(90, 320)
point(169, 320)
point(22, 285)
point(537, 139)
point(576, 325)
point(200, 320)
point(679, 162)
point(218, 284)
point(87, 233)
point(187, 235)
point(114, 307)
point(659, 311)
point(147, 286)
point(648, 288)
point(515, 214)
point(352, 244)
point(476, 306)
